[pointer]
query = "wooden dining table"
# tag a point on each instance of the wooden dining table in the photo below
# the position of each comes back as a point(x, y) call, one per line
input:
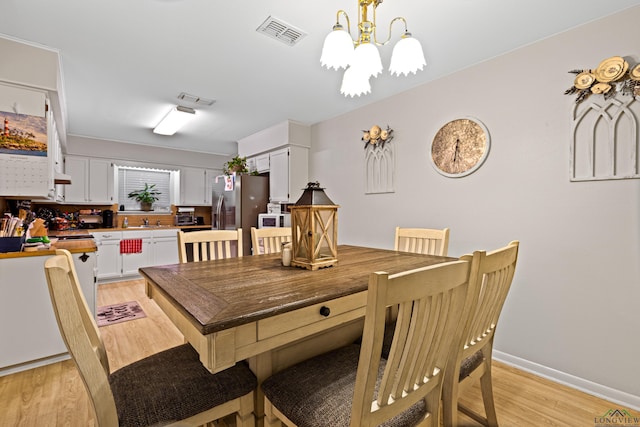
point(255, 309)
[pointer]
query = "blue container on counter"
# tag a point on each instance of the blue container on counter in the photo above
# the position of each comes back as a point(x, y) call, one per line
point(11, 244)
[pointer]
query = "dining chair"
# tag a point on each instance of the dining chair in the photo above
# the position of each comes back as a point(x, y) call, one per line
point(209, 245)
point(354, 386)
point(422, 241)
point(269, 240)
point(168, 387)
point(472, 361)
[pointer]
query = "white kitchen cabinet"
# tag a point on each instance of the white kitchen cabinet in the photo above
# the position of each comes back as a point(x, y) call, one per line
point(109, 257)
point(165, 246)
point(159, 247)
point(288, 174)
point(28, 328)
point(91, 180)
point(56, 160)
point(131, 262)
point(78, 169)
point(195, 186)
point(100, 181)
point(192, 186)
point(86, 264)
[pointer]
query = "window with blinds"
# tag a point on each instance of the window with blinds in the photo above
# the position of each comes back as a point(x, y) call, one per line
point(132, 179)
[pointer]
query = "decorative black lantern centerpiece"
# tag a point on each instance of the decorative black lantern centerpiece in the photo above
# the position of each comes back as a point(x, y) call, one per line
point(314, 229)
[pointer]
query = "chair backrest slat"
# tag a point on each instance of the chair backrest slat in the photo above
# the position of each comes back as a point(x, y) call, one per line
point(209, 245)
point(269, 240)
point(422, 241)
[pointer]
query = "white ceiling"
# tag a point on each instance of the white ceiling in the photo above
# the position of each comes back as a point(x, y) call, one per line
point(124, 62)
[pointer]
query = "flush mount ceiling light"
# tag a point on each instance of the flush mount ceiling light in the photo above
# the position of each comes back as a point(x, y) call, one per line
point(174, 120)
point(361, 57)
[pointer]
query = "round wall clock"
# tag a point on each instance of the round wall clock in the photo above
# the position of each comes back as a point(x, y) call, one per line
point(460, 147)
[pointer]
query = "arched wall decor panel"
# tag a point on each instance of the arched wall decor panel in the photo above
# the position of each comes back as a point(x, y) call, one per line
point(379, 168)
point(604, 139)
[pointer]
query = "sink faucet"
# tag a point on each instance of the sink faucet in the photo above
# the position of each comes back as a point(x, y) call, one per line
point(146, 222)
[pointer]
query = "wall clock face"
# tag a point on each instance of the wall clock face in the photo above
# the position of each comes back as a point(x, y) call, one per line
point(460, 147)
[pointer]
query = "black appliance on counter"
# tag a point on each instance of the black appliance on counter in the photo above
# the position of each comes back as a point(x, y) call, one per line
point(107, 218)
point(89, 221)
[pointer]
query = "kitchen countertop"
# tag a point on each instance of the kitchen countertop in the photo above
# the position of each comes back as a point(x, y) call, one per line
point(137, 228)
point(73, 246)
point(88, 245)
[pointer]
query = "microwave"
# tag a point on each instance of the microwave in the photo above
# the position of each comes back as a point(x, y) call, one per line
point(267, 220)
point(185, 216)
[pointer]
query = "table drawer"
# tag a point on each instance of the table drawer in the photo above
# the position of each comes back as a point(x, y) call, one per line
point(313, 315)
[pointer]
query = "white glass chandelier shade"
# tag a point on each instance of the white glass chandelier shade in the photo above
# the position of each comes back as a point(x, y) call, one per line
point(367, 57)
point(174, 120)
point(337, 50)
point(355, 82)
point(407, 56)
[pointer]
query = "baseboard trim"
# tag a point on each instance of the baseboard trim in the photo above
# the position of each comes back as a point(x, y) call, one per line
point(8, 370)
point(616, 396)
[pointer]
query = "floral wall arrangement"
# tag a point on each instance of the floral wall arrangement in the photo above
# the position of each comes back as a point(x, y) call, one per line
point(613, 75)
point(376, 135)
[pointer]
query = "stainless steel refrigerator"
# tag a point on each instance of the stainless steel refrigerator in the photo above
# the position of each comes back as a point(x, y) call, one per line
point(238, 205)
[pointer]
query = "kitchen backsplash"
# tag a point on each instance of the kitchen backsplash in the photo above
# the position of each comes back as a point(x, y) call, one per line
point(59, 217)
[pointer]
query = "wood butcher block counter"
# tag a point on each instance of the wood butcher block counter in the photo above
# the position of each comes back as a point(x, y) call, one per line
point(73, 246)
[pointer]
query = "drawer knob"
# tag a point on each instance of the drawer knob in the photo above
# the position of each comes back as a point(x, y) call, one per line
point(325, 311)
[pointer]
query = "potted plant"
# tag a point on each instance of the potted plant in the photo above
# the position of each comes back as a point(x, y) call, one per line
point(237, 164)
point(146, 196)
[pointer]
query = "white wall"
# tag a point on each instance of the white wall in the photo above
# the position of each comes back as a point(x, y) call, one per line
point(572, 313)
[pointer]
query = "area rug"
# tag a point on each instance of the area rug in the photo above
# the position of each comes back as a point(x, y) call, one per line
point(117, 313)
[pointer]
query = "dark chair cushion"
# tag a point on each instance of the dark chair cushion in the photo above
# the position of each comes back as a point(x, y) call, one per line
point(173, 385)
point(469, 364)
point(318, 392)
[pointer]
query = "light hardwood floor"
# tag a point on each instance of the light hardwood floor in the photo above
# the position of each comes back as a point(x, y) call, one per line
point(54, 395)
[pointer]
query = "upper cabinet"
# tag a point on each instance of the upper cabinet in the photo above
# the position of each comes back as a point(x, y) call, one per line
point(192, 186)
point(196, 185)
point(288, 174)
point(30, 86)
point(91, 180)
point(283, 151)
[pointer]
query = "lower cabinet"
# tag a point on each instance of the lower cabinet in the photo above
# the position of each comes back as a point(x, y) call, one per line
point(132, 261)
point(165, 247)
point(159, 247)
point(109, 257)
point(28, 328)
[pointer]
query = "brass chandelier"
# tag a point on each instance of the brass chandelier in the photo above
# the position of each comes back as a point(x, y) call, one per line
point(361, 58)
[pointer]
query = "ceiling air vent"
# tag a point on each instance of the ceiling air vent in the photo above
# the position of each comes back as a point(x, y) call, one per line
point(195, 99)
point(280, 30)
